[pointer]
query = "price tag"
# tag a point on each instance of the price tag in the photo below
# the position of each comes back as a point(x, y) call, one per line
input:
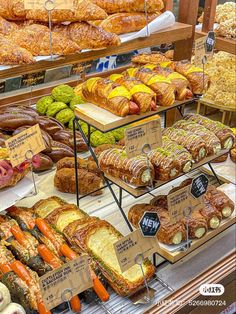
point(199, 186)
point(132, 245)
point(42, 4)
point(200, 51)
point(146, 133)
point(29, 140)
point(181, 203)
point(65, 282)
point(149, 224)
point(32, 79)
point(210, 43)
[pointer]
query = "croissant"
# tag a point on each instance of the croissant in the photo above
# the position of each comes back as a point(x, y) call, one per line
point(88, 36)
point(211, 214)
point(122, 23)
point(164, 89)
point(223, 132)
point(153, 58)
point(7, 27)
point(213, 145)
point(12, 9)
point(165, 165)
point(11, 53)
point(192, 142)
point(220, 201)
point(135, 171)
point(114, 6)
point(85, 10)
point(181, 154)
point(142, 95)
point(36, 39)
point(199, 81)
point(169, 233)
point(179, 81)
point(110, 96)
point(89, 182)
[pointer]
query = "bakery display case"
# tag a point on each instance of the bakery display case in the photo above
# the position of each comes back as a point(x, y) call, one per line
point(88, 194)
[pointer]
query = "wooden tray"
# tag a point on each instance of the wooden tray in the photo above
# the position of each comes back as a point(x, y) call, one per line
point(176, 256)
point(137, 192)
point(105, 121)
point(210, 103)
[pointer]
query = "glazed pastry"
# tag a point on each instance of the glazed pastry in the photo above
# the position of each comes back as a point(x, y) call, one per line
point(134, 170)
point(49, 125)
point(110, 96)
point(220, 201)
point(180, 154)
point(221, 158)
point(164, 89)
point(152, 58)
point(123, 23)
point(197, 225)
point(233, 154)
point(35, 38)
point(115, 6)
point(66, 137)
point(12, 121)
point(7, 27)
point(11, 53)
point(179, 81)
point(59, 151)
point(45, 163)
point(84, 11)
point(199, 81)
point(88, 36)
point(223, 132)
point(211, 214)
point(192, 142)
point(165, 165)
point(69, 162)
point(64, 181)
point(20, 109)
point(212, 142)
point(160, 201)
point(142, 95)
point(169, 233)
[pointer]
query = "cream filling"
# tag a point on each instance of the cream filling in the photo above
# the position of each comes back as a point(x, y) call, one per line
point(177, 238)
point(200, 232)
point(217, 149)
point(187, 167)
point(226, 212)
point(202, 153)
point(228, 143)
point(146, 176)
point(214, 223)
point(173, 172)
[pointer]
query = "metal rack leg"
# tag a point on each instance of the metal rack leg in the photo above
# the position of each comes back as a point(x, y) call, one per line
point(120, 196)
point(164, 114)
point(76, 163)
point(214, 173)
point(180, 111)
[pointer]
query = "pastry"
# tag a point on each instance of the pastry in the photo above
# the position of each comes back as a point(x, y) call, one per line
point(197, 225)
point(180, 154)
point(115, 6)
point(89, 182)
point(66, 137)
point(7, 27)
point(142, 95)
point(233, 154)
point(192, 142)
point(135, 171)
point(212, 142)
point(154, 58)
point(223, 132)
point(211, 214)
point(221, 158)
point(165, 165)
point(123, 23)
point(160, 201)
point(85, 10)
point(98, 150)
point(199, 81)
point(36, 39)
point(59, 151)
point(220, 201)
point(110, 96)
point(12, 9)
point(169, 233)
point(11, 53)
point(88, 36)
point(14, 120)
point(49, 125)
point(45, 206)
point(69, 162)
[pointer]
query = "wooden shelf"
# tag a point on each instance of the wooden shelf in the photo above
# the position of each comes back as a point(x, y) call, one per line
point(223, 44)
point(178, 31)
point(109, 121)
point(211, 104)
point(138, 192)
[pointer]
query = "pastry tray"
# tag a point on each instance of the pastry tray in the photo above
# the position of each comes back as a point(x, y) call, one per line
point(137, 192)
point(105, 121)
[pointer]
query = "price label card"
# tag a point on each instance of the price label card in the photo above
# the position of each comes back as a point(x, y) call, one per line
point(146, 133)
point(33, 79)
point(42, 4)
point(132, 245)
point(210, 42)
point(181, 203)
point(25, 145)
point(200, 51)
point(62, 284)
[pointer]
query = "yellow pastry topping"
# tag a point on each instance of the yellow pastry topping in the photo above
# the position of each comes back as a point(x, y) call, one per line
point(4, 154)
point(150, 66)
point(91, 82)
point(214, 222)
point(194, 69)
point(119, 91)
point(140, 88)
point(158, 79)
point(165, 64)
point(176, 75)
point(115, 77)
point(131, 72)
